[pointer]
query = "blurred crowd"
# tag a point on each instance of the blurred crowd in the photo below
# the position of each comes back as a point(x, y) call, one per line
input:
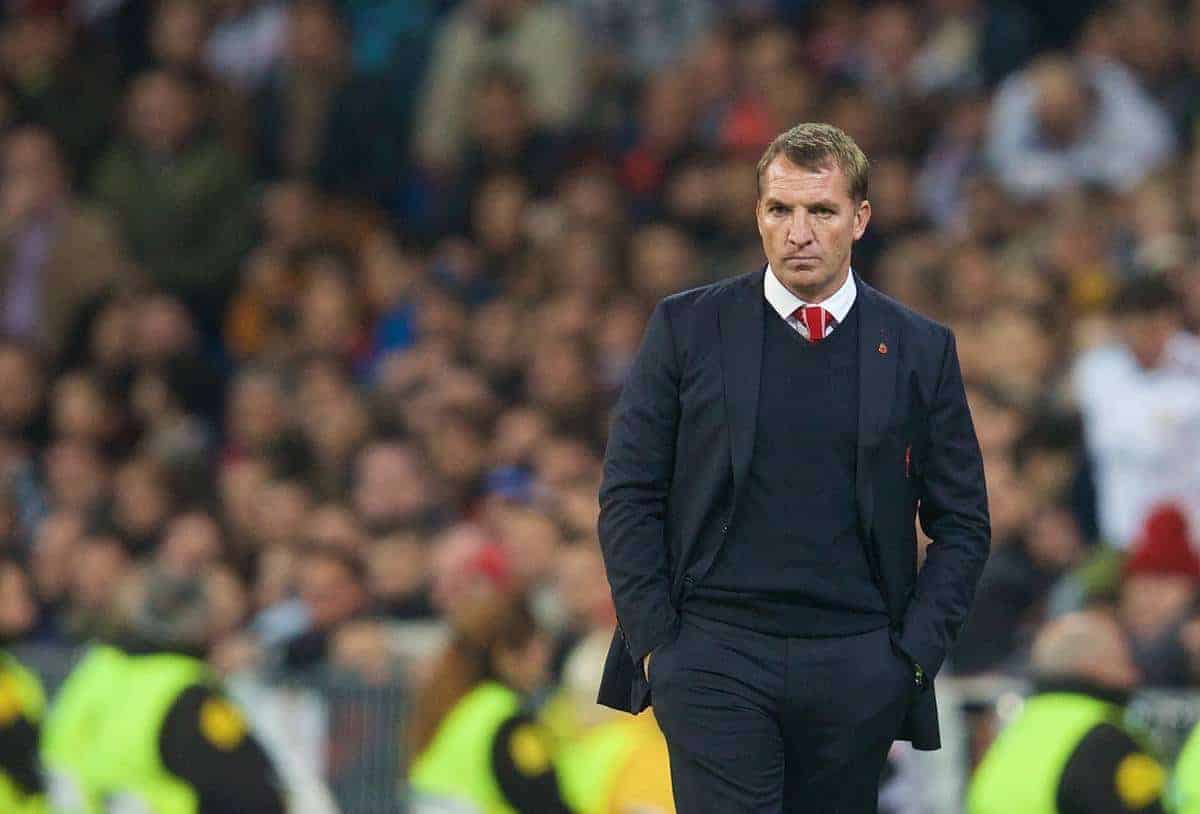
point(328, 300)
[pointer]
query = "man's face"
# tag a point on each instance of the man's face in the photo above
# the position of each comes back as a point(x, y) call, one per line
point(17, 611)
point(162, 113)
point(329, 592)
point(1061, 105)
point(1147, 335)
point(808, 222)
point(32, 173)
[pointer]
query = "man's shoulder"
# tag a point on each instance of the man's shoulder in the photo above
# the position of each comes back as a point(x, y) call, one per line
point(721, 288)
point(912, 323)
point(710, 294)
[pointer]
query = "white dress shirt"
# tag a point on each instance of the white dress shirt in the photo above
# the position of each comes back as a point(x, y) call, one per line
point(785, 302)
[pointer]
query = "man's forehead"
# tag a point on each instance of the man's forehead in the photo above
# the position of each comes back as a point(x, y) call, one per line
point(782, 176)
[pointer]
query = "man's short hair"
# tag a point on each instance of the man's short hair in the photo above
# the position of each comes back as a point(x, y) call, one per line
point(1146, 294)
point(815, 145)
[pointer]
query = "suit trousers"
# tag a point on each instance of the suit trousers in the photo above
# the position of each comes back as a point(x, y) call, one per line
point(761, 724)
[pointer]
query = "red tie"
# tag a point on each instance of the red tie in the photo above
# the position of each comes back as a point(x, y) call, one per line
point(816, 319)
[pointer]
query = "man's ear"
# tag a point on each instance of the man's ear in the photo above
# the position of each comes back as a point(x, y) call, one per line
point(862, 216)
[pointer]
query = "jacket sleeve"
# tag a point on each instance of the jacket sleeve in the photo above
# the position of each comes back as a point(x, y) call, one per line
point(19, 752)
point(638, 466)
point(954, 514)
point(1108, 773)
point(205, 741)
point(523, 765)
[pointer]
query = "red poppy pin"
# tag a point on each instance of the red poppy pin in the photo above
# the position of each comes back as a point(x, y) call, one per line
point(882, 348)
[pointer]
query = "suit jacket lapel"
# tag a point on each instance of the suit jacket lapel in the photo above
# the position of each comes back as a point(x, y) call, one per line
point(878, 349)
point(741, 325)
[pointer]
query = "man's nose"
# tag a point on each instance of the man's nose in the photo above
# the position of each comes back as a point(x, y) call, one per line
point(799, 233)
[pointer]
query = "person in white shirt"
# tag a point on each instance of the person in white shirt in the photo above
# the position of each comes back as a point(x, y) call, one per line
point(1140, 401)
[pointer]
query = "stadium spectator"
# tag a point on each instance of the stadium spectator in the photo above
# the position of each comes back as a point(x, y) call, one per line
point(1160, 584)
point(57, 81)
point(58, 256)
point(398, 572)
point(179, 31)
point(1141, 457)
point(537, 38)
point(181, 199)
point(319, 120)
point(1063, 123)
point(332, 587)
point(391, 492)
point(22, 415)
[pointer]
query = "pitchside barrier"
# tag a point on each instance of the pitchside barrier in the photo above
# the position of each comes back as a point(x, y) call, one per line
point(338, 738)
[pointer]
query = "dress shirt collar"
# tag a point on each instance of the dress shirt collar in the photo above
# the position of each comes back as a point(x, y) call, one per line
point(785, 302)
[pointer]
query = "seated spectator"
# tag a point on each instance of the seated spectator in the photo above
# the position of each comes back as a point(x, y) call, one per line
point(1063, 123)
point(22, 408)
point(191, 544)
point(1141, 457)
point(179, 32)
point(398, 571)
point(18, 609)
point(52, 560)
point(319, 120)
point(57, 255)
point(332, 588)
point(188, 235)
point(503, 137)
point(76, 476)
point(537, 38)
point(57, 82)
point(1160, 585)
point(392, 490)
point(102, 562)
point(142, 503)
point(1013, 597)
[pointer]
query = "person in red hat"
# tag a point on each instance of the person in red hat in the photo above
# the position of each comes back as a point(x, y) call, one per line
point(1159, 586)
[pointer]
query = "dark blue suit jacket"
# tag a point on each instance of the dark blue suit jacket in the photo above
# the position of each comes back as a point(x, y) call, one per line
point(679, 451)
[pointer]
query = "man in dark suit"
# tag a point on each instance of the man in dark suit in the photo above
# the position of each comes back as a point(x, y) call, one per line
point(775, 439)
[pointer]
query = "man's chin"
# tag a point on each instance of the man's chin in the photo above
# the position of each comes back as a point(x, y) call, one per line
point(810, 272)
point(807, 278)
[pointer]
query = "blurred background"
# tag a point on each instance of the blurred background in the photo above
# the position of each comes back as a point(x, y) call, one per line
point(328, 302)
